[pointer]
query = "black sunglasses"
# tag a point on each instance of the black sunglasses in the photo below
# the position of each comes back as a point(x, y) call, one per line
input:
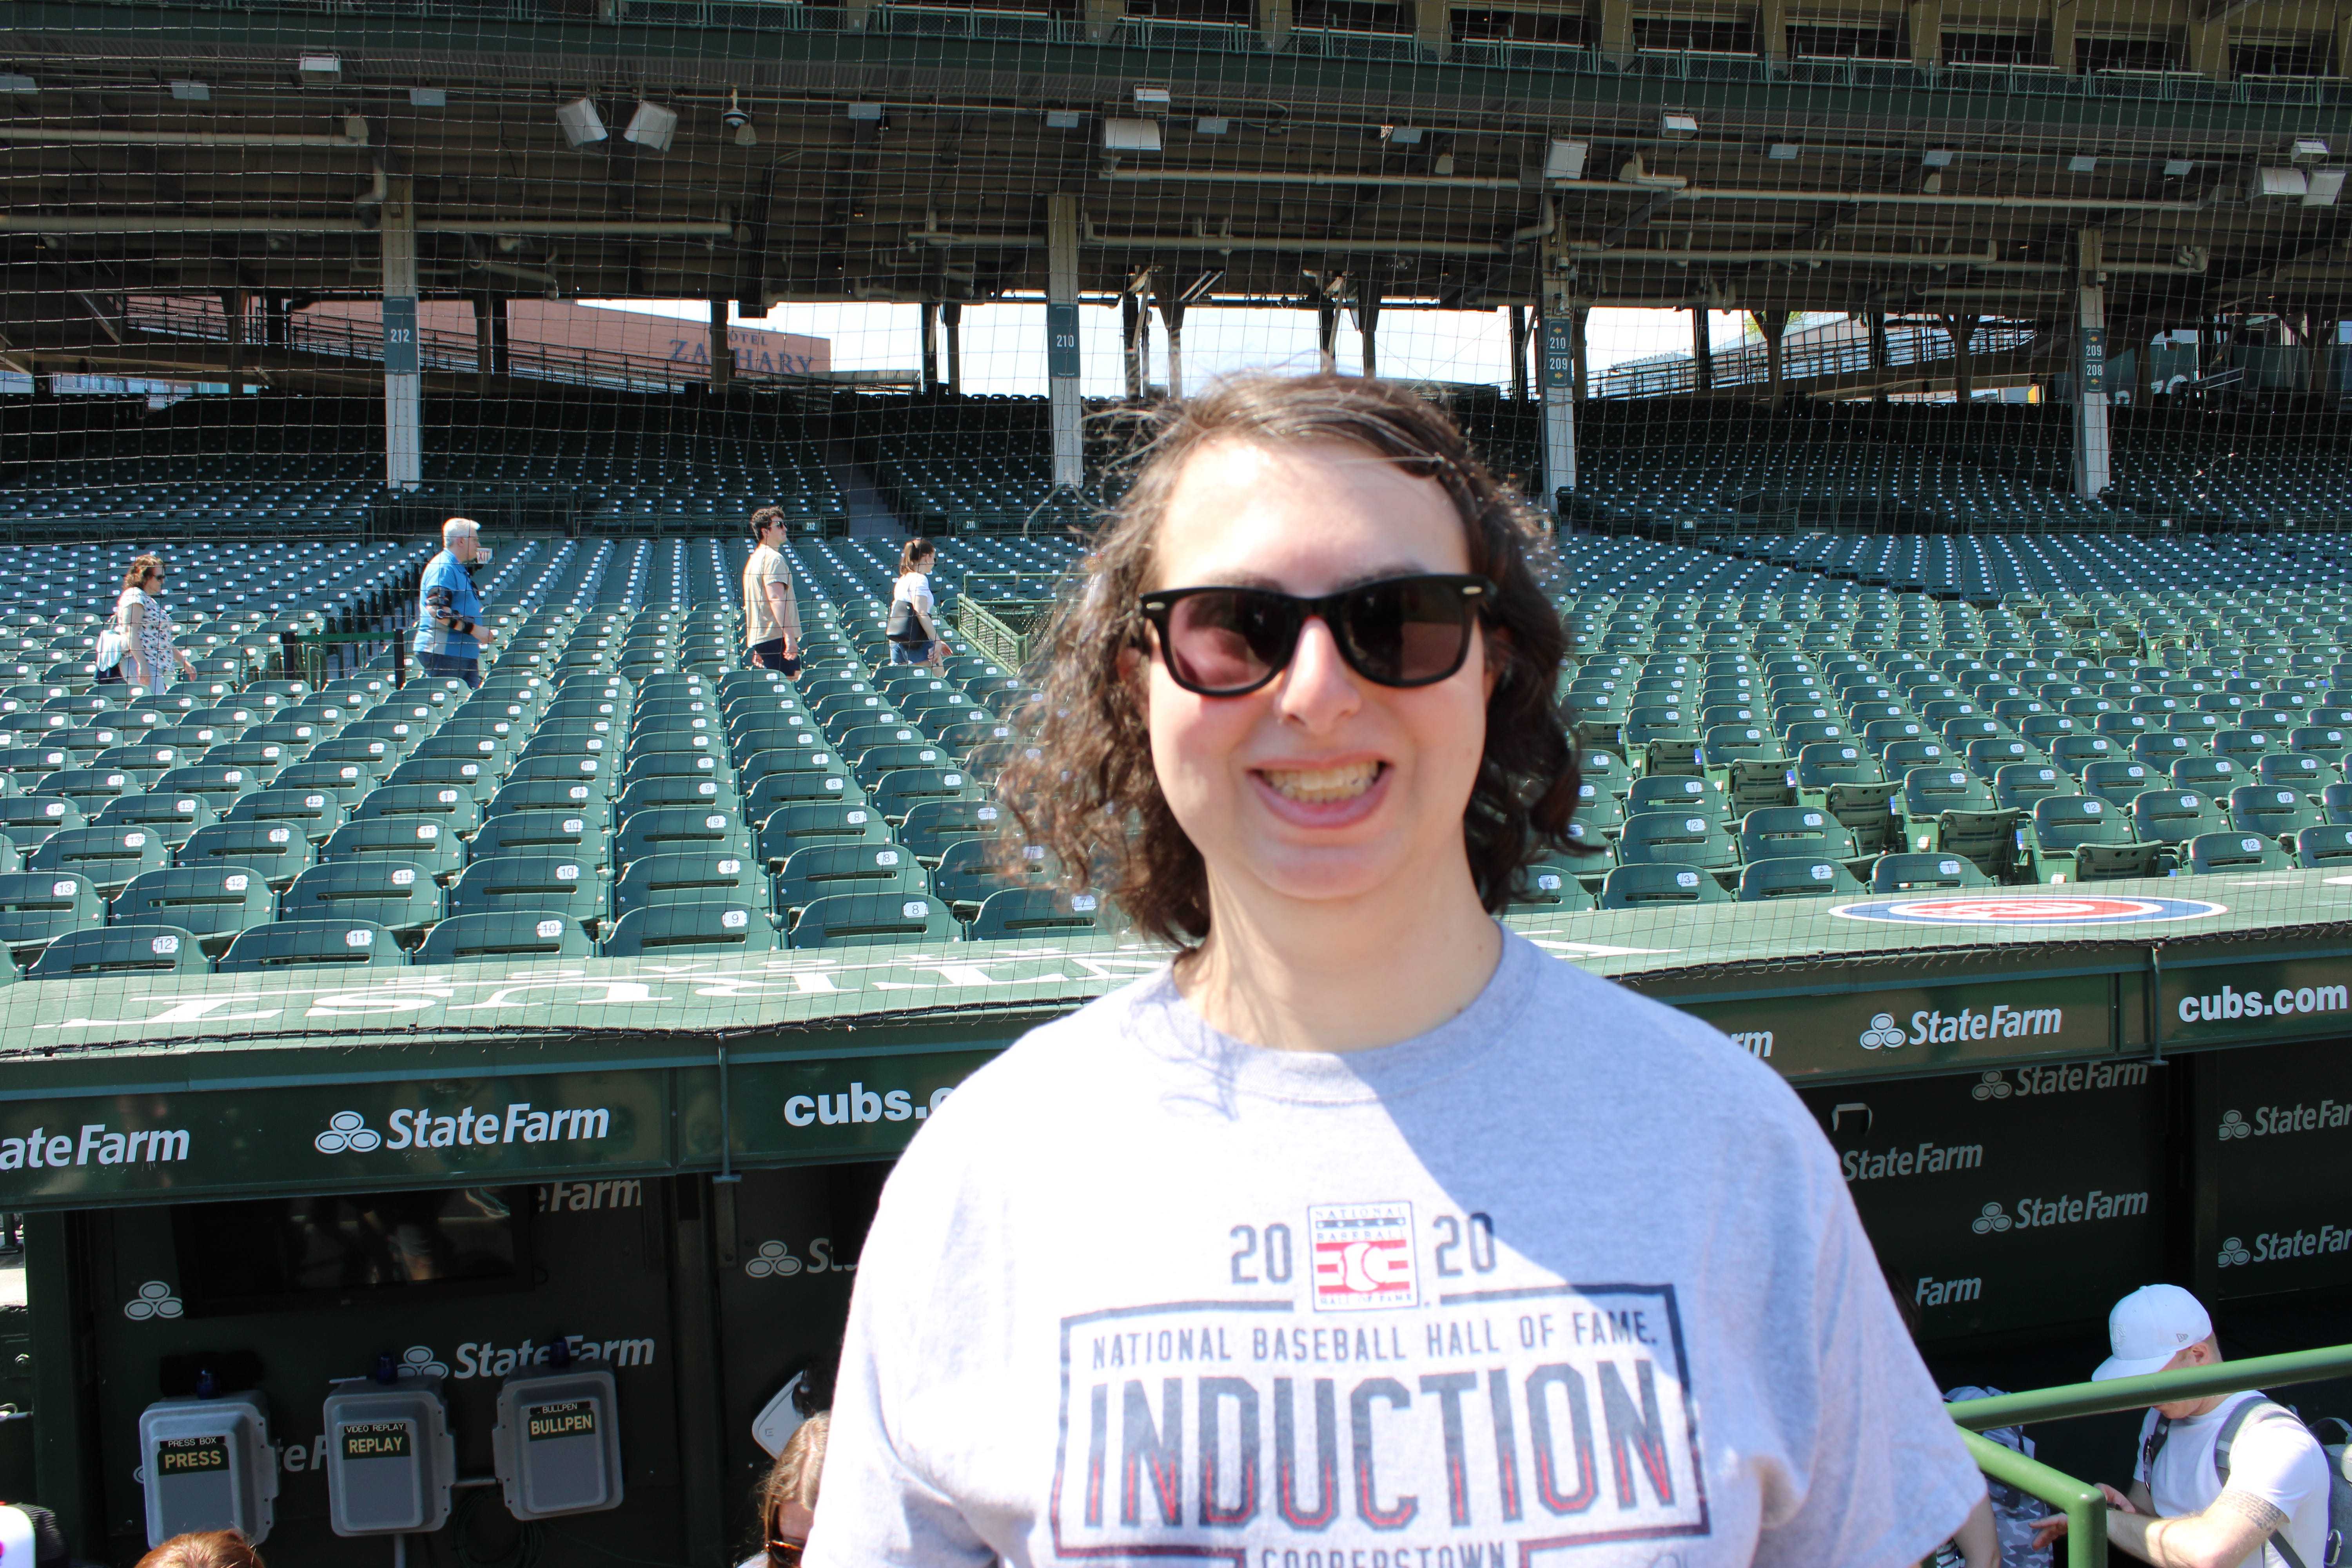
point(1400, 631)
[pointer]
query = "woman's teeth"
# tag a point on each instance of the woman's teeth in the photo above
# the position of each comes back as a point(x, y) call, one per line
point(1322, 786)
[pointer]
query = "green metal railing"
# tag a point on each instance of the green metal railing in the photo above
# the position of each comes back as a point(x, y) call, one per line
point(2083, 1503)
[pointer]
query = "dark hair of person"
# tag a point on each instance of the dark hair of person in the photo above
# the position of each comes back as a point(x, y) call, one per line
point(1082, 785)
point(209, 1549)
point(917, 549)
point(137, 574)
point(767, 517)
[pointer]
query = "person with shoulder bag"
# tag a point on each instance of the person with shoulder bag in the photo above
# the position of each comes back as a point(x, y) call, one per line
point(141, 633)
point(914, 635)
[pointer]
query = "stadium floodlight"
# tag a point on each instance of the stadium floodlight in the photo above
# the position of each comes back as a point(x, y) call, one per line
point(1152, 97)
point(192, 91)
point(583, 126)
point(1401, 135)
point(2177, 168)
point(1131, 136)
point(319, 71)
point(1937, 158)
point(1212, 125)
point(428, 98)
point(869, 111)
point(1676, 126)
point(1064, 120)
point(2276, 182)
point(15, 81)
point(1784, 151)
point(1565, 160)
point(2327, 185)
point(652, 127)
point(2306, 150)
point(2082, 164)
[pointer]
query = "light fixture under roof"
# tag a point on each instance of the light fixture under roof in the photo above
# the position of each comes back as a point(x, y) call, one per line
point(1064, 120)
point(1564, 159)
point(428, 98)
point(1401, 135)
point(583, 126)
point(192, 91)
point(1131, 136)
point(868, 111)
point(2306, 150)
point(1675, 125)
point(1937, 158)
point(1212, 125)
point(652, 127)
point(2082, 164)
point(2177, 168)
point(1784, 151)
point(1149, 98)
point(319, 71)
point(17, 81)
point(2276, 182)
point(2327, 185)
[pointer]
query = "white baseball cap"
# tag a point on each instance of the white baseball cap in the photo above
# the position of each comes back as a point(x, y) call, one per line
point(2149, 1328)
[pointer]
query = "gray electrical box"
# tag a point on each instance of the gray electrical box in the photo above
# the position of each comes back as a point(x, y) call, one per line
point(389, 1460)
point(557, 1445)
point(206, 1464)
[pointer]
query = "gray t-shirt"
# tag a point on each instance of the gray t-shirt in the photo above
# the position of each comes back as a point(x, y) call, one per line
point(1568, 1271)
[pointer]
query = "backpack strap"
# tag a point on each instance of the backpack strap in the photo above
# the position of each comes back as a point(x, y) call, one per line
point(2253, 1409)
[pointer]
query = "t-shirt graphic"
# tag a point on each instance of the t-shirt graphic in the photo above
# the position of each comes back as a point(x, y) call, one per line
point(1570, 1281)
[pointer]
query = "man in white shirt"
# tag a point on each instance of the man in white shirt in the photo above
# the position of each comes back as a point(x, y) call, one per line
point(772, 617)
point(2184, 1512)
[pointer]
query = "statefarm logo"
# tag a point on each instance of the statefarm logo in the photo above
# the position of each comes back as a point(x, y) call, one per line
point(347, 1131)
point(2040, 1213)
point(1931, 1025)
point(1363, 1256)
point(2033, 1082)
point(2271, 1120)
point(2284, 1245)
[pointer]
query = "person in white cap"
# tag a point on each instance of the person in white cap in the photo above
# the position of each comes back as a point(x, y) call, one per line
point(2220, 1481)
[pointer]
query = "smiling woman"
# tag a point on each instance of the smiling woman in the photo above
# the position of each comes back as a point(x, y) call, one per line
point(1348, 1175)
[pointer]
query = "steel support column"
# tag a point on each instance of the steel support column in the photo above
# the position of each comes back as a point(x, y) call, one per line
point(403, 441)
point(1064, 361)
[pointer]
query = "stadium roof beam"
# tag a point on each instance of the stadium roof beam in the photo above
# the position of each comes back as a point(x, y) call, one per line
point(1684, 194)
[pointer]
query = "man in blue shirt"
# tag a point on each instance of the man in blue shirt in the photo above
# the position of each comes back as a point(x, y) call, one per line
point(450, 637)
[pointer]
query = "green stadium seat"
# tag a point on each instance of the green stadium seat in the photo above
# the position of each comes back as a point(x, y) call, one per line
point(292, 944)
point(108, 857)
point(2295, 770)
point(348, 782)
point(776, 791)
point(855, 920)
point(1027, 913)
point(452, 807)
point(829, 870)
point(89, 788)
point(1794, 875)
point(931, 825)
point(1899, 757)
point(576, 835)
point(36, 907)
point(1822, 764)
point(800, 827)
point(1635, 886)
point(688, 878)
point(1548, 886)
point(119, 950)
point(219, 788)
point(280, 852)
point(550, 884)
point(676, 790)
point(1673, 837)
point(676, 829)
point(2116, 782)
point(2326, 848)
point(446, 772)
point(2172, 816)
point(508, 936)
point(1993, 839)
point(316, 813)
point(968, 874)
point(1801, 831)
point(2019, 786)
point(417, 840)
point(174, 815)
point(2234, 853)
point(214, 902)
point(897, 792)
point(399, 897)
point(670, 930)
point(1913, 871)
point(2279, 811)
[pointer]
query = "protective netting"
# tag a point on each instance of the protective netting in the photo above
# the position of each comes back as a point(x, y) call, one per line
point(1940, 415)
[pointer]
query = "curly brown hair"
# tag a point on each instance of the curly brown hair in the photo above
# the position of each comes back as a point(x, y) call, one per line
point(210, 1549)
point(1082, 785)
point(136, 574)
